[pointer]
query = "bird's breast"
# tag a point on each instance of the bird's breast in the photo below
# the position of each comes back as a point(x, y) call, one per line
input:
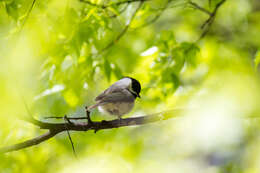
point(117, 108)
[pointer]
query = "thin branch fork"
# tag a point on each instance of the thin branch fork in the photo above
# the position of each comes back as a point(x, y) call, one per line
point(196, 6)
point(207, 24)
point(56, 128)
point(212, 15)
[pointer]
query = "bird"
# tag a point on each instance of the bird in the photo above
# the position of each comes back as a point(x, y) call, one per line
point(119, 98)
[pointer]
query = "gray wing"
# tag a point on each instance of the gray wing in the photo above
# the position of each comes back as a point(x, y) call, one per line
point(110, 90)
point(103, 94)
point(115, 95)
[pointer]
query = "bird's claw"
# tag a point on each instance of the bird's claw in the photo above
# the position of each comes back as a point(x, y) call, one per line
point(88, 115)
point(96, 130)
point(67, 119)
point(120, 120)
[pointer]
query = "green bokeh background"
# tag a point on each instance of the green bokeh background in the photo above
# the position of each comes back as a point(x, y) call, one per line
point(53, 62)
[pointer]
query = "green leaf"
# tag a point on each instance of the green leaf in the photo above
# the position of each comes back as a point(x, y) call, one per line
point(190, 51)
point(71, 98)
point(107, 69)
point(117, 71)
point(67, 63)
point(178, 60)
point(12, 10)
point(170, 80)
point(257, 59)
point(166, 40)
point(175, 80)
point(167, 35)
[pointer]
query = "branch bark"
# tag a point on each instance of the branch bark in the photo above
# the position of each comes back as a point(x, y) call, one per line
point(29, 143)
point(56, 128)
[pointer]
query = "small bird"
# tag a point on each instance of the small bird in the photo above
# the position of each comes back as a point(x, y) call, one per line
point(119, 98)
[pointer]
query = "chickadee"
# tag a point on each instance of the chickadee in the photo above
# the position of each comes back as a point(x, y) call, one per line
point(119, 98)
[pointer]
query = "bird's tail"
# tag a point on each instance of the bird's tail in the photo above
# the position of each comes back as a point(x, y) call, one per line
point(92, 107)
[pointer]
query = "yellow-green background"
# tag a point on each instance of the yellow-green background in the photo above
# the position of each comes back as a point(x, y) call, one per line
point(50, 64)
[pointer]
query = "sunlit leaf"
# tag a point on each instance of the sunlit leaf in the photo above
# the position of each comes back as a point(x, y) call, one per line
point(55, 89)
point(118, 72)
point(149, 51)
point(71, 98)
point(190, 51)
point(107, 69)
point(12, 10)
point(67, 63)
point(257, 59)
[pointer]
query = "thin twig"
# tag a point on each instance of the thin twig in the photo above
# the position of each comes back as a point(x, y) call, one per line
point(72, 144)
point(129, 1)
point(68, 133)
point(207, 24)
point(125, 29)
point(27, 15)
point(155, 18)
point(120, 12)
point(209, 3)
point(112, 4)
point(196, 6)
point(159, 14)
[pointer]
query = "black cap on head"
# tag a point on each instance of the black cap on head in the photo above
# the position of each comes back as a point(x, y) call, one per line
point(136, 86)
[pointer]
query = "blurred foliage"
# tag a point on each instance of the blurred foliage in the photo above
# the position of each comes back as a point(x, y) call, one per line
point(59, 55)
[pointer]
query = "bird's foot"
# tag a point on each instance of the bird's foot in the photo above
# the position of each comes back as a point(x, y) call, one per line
point(67, 119)
point(96, 130)
point(120, 120)
point(88, 116)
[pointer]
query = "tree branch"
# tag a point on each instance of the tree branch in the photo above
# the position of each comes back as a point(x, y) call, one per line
point(29, 143)
point(56, 128)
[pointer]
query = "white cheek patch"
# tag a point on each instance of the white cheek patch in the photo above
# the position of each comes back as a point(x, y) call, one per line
point(132, 90)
